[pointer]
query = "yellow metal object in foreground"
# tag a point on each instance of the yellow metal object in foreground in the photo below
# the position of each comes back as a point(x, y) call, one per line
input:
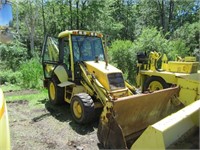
point(4, 125)
point(167, 131)
point(189, 88)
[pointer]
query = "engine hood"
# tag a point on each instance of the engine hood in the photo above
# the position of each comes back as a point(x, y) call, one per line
point(109, 76)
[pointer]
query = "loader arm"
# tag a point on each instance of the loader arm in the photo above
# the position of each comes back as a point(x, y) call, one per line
point(93, 86)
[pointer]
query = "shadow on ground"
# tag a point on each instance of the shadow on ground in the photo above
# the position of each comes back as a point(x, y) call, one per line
point(83, 129)
point(60, 112)
point(63, 114)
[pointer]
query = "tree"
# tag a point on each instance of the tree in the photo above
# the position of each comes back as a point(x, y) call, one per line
point(189, 33)
point(151, 40)
point(122, 55)
point(31, 18)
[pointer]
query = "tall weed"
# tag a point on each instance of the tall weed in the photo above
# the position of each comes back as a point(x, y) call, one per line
point(31, 73)
point(8, 76)
point(12, 55)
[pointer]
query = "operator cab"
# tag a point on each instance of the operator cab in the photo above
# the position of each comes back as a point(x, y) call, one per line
point(70, 49)
point(87, 48)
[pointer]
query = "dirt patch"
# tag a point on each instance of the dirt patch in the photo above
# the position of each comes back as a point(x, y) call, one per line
point(50, 127)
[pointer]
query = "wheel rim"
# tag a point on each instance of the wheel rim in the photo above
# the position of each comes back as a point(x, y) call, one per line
point(52, 91)
point(155, 85)
point(77, 109)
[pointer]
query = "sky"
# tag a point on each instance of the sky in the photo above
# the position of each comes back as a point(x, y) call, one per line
point(5, 14)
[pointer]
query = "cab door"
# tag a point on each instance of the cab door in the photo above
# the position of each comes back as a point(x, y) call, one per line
point(50, 56)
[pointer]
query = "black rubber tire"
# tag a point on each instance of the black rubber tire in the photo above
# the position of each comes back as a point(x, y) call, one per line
point(152, 79)
point(87, 106)
point(59, 92)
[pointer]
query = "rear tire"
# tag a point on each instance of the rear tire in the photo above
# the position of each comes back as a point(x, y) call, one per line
point(56, 93)
point(154, 83)
point(82, 108)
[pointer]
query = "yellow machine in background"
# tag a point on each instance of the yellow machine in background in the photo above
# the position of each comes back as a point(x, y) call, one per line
point(4, 124)
point(151, 78)
point(182, 72)
point(76, 71)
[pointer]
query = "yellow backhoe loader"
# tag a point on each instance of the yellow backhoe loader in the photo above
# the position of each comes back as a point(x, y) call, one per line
point(76, 71)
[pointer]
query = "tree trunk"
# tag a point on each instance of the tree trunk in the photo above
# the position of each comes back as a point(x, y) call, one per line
point(82, 24)
point(30, 23)
point(62, 22)
point(43, 18)
point(54, 22)
point(171, 10)
point(32, 40)
point(70, 11)
point(162, 15)
point(77, 14)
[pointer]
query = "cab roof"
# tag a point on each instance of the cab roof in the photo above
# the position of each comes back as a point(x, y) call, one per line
point(79, 32)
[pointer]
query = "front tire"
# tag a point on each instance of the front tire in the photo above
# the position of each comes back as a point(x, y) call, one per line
point(155, 83)
point(82, 108)
point(56, 93)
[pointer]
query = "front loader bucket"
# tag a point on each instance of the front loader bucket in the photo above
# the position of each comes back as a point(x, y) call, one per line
point(129, 116)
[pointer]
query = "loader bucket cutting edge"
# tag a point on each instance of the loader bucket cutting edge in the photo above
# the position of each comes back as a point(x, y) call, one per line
point(131, 115)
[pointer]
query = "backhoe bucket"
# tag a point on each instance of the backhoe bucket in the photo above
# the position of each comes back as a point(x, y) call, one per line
point(126, 119)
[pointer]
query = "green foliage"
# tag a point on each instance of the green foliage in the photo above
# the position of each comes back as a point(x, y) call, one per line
point(31, 73)
point(13, 54)
point(10, 87)
point(144, 22)
point(176, 47)
point(8, 76)
point(122, 56)
point(147, 14)
point(151, 40)
point(123, 53)
point(119, 19)
point(189, 34)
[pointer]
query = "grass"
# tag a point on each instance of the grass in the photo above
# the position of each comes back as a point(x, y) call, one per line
point(36, 98)
point(10, 87)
